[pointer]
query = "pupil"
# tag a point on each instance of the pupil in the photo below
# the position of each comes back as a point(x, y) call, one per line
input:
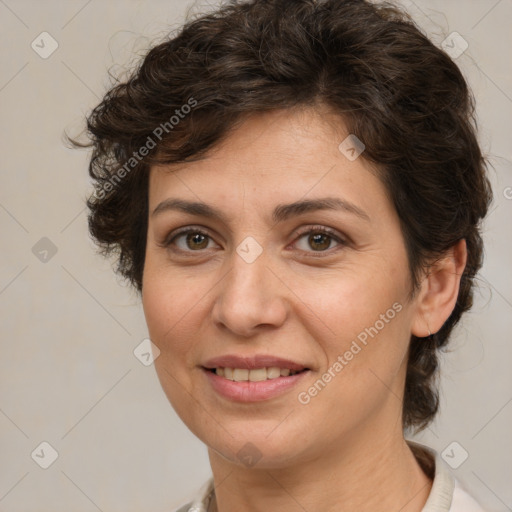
point(196, 240)
point(316, 239)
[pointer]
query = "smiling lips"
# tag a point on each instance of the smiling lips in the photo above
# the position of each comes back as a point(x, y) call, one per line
point(251, 379)
point(254, 375)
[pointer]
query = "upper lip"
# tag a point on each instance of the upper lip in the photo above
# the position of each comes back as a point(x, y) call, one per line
point(250, 362)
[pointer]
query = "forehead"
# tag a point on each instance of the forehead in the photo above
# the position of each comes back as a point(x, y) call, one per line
point(271, 158)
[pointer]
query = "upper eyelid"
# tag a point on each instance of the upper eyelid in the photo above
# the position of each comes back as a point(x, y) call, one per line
point(183, 231)
point(319, 228)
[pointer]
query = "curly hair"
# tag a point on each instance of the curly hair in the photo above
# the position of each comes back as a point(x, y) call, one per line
point(367, 63)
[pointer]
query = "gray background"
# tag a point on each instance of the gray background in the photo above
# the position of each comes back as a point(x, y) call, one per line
point(69, 325)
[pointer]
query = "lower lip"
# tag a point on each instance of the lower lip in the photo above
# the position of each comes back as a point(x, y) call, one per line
point(247, 391)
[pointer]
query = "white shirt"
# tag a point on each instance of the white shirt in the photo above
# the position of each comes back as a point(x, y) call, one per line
point(447, 493)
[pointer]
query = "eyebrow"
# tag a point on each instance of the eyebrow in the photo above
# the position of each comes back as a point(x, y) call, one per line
point(281, 213)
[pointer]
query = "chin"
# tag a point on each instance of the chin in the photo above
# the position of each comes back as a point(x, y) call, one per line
point(244, 444)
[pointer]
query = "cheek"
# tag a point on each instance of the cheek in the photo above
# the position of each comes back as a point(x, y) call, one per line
point(174, 307)
point(361, 321)
point(165, 313)
point(365, 362)
point(155, 302)
point(346, 301)
point(165, 310)
point(169, 301)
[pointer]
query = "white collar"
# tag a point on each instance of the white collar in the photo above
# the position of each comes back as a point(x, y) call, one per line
point(443, 483)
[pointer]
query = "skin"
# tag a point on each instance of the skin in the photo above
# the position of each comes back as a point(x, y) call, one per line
point(344, 450)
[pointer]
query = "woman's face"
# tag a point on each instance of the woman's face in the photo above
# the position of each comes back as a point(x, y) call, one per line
point(263, 285)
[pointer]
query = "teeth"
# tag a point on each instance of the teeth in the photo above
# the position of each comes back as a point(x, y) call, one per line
point(254, 375)
point(273, 372)
point(258, 374)
point(240, 374)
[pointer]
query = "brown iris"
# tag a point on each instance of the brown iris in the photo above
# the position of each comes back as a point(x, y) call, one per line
point(200, 241)
point(316, 239)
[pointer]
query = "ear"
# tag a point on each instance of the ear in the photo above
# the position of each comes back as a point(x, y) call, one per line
point(439, 290)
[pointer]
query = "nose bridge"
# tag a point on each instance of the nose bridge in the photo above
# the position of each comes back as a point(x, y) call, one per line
point(249, 294)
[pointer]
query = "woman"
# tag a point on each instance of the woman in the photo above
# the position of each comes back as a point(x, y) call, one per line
point(296, 189)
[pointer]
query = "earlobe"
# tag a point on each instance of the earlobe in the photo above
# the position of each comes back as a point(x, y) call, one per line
point(439, 291)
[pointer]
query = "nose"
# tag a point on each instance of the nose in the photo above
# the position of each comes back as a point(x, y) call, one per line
point(250, 297)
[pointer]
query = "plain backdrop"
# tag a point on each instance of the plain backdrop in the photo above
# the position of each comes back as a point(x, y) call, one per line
point(69, 326)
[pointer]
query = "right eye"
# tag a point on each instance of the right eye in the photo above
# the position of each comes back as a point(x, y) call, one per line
point(188, 239)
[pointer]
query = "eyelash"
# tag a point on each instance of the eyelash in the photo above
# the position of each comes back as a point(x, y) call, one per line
point(307, 231)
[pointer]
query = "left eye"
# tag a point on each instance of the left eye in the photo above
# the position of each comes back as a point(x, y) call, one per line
point(319, 240)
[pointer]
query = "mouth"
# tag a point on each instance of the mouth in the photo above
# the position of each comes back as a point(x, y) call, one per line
point(253, 374)
point(253, 379)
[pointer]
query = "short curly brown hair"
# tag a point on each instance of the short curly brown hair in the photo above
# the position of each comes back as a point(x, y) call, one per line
point(368, 63)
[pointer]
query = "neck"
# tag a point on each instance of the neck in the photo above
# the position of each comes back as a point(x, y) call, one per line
point(370, 473)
